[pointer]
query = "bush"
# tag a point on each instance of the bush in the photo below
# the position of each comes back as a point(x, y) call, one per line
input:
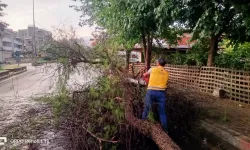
point(47, 58)
point(199, 53)
point(59, 104)
point(177, 58)
point(234, 56)
point(98, 112)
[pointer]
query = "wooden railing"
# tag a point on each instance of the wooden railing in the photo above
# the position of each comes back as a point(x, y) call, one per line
point(236, 83)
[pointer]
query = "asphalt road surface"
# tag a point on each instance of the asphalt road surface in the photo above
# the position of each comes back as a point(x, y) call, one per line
point(16, 93)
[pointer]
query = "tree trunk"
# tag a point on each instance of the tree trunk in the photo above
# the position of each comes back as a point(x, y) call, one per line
point(212, 50)
point(149, 51)
point(144, 44)
point(161, 139)
point(128, 52)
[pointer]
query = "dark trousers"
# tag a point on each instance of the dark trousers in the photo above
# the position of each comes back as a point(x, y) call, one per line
point(158, 97)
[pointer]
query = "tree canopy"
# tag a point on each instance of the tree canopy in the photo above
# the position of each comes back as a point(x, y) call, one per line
point(130, 21)
point(214, 19)
point(2, 23)
point(141, 21)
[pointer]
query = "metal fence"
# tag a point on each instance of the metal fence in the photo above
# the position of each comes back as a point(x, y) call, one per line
point(236, 83)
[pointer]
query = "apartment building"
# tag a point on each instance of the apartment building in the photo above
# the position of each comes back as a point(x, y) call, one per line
point(9, 43)
point(42, 37)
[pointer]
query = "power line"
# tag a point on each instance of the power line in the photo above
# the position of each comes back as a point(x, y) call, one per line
point(41, 26)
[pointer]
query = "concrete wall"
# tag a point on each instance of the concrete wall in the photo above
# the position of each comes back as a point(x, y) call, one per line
point(12, 72)
point(232, 137)
point(5, 55)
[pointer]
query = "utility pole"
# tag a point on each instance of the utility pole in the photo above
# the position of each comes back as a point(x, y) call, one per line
point(2, 46)
point(1, 37)
point(34, 26)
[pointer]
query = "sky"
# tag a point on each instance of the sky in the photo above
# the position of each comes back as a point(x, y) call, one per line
point(49, 14)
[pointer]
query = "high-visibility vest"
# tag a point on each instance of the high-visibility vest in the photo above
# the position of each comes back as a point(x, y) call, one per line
point(158, 78)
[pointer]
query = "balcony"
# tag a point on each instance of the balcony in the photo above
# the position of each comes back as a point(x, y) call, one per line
point(5, 39)
point(7, 48)
point(18, 42)
point(17, 49)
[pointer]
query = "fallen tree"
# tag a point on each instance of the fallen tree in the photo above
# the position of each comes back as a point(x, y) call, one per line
point(107, 116)
point(100, 118)
point(163, 141)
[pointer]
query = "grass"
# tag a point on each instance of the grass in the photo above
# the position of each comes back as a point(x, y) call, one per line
point(39, 62)
point(42, 61)
point(1, 70)
point(59, 104)
point(7, 67)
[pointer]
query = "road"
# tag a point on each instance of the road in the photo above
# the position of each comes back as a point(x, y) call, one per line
point(17, 96)
point(17, 93)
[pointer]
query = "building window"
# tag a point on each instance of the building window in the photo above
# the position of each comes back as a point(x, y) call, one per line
point(7, 44)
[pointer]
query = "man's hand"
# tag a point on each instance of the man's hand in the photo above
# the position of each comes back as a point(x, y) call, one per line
point(145, 75)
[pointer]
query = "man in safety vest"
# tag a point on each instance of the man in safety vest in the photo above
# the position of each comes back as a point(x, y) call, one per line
point(156, 91)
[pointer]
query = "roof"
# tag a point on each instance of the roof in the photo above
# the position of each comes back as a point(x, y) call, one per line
point(184, 42)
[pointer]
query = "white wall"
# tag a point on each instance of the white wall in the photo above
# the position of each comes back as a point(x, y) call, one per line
point(135, 56)
point(4, 55)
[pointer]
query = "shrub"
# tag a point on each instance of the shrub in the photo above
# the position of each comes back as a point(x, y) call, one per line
point(234, 56)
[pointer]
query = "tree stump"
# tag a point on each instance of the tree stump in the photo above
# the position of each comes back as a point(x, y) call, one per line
point(219, 93)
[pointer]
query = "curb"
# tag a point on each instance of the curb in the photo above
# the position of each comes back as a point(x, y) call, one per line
point(4, 75)
point(232, 137)
point(13, 73)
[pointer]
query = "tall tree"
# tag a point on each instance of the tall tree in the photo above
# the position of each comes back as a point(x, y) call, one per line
point(243, 9)
point(213, 19)
point(129, 19)
point(2, 23)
